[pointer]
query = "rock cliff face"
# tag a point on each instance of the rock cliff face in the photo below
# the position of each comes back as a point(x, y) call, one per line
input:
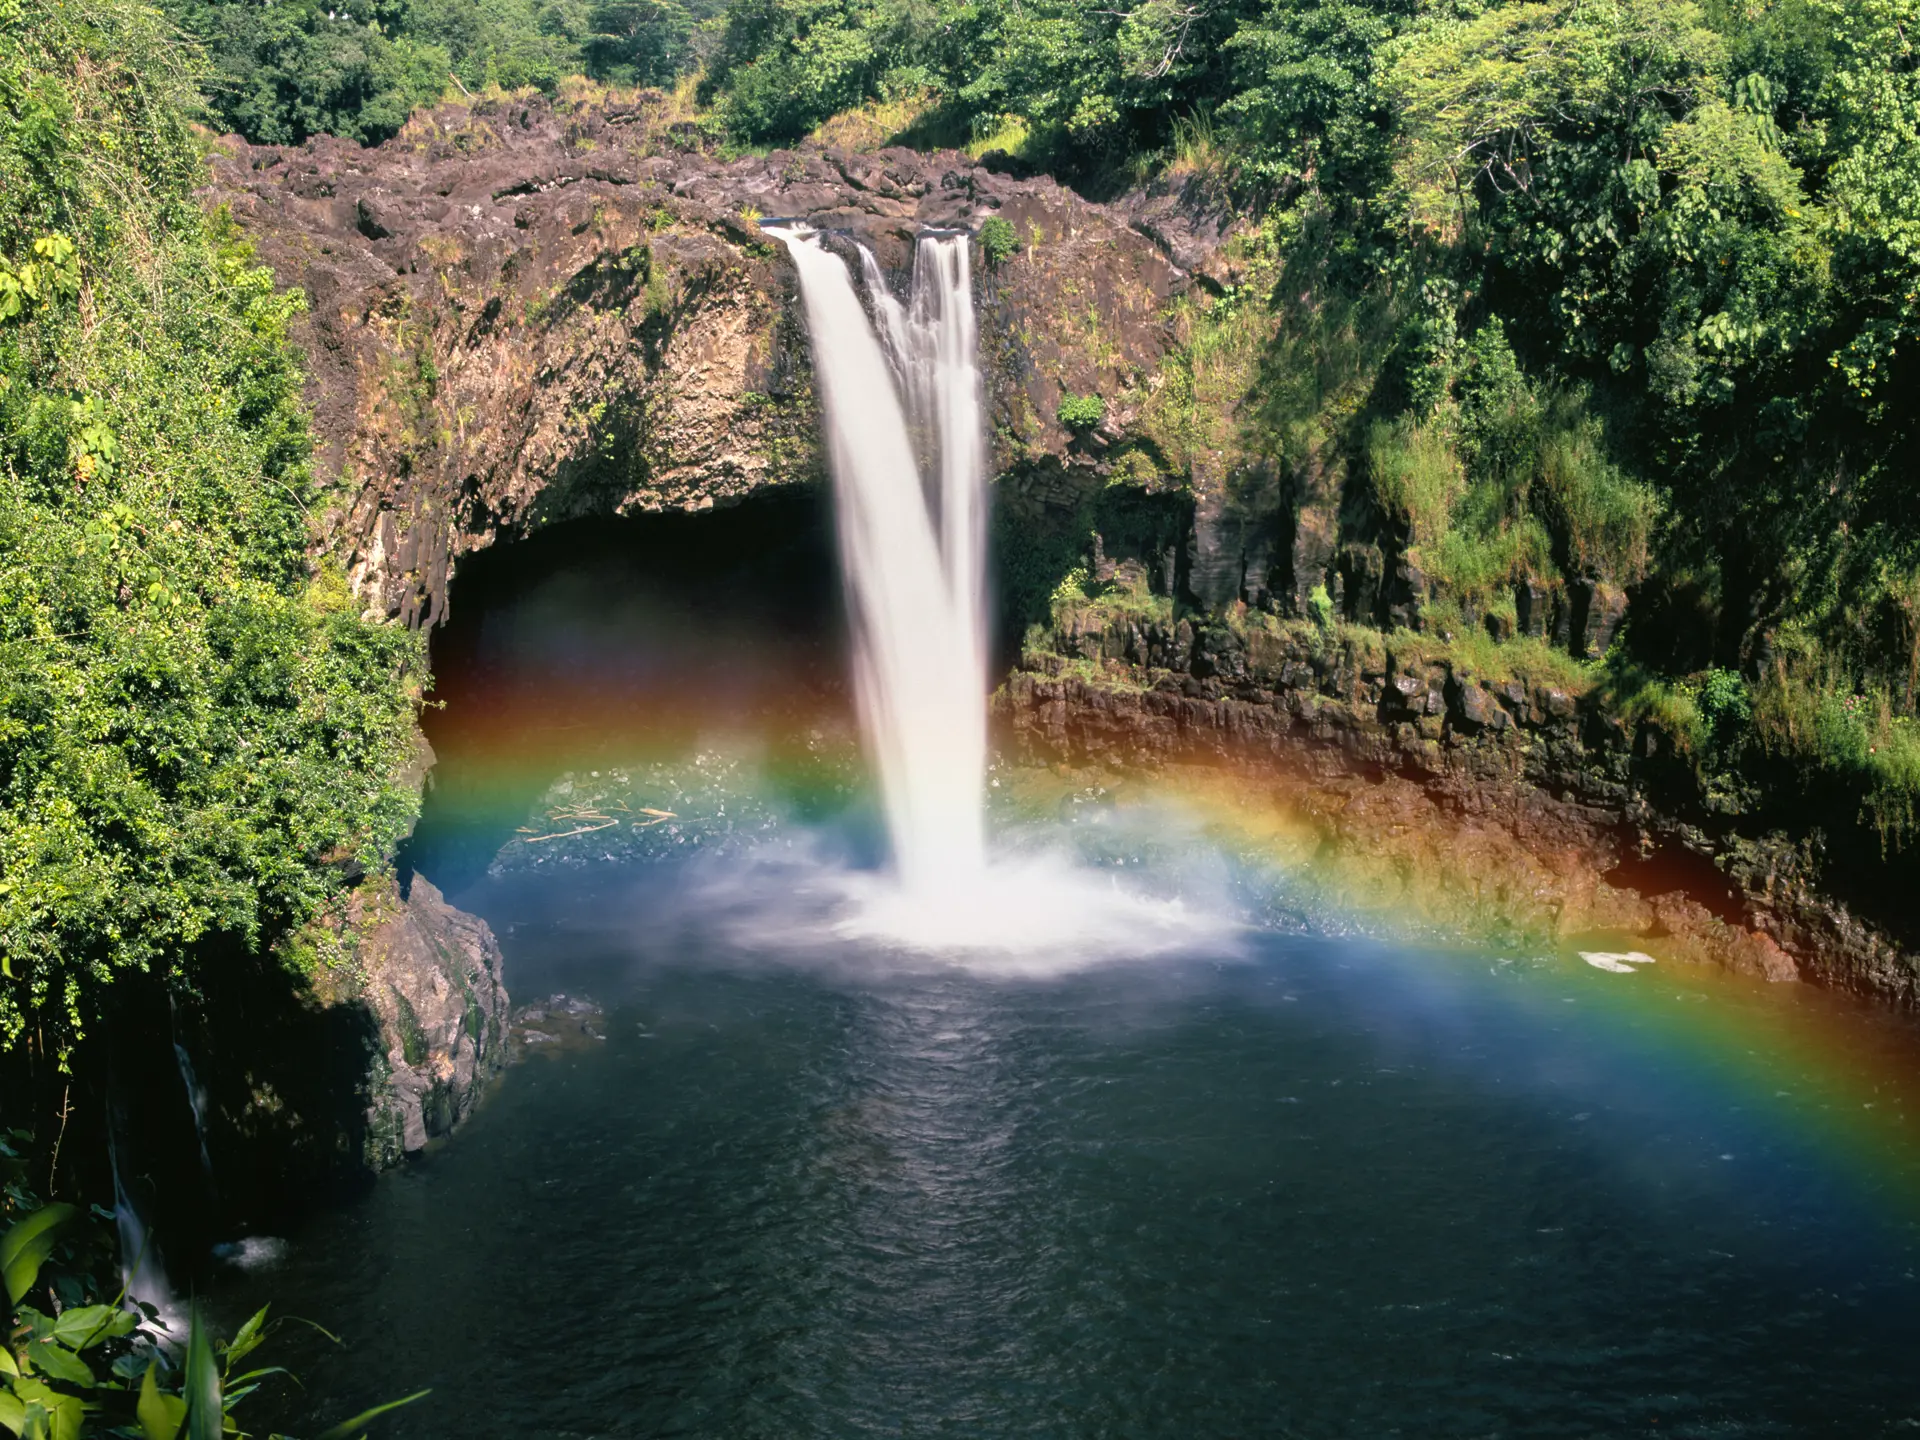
point(432, 977)
point(1482, 802)
point(523, 314)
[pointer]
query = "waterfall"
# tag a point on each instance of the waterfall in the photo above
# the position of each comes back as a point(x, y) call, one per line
point(907, 448)
point(142, 1272)
point(197, 1099)
point(901, 401)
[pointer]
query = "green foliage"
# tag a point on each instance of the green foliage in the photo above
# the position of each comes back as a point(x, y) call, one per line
point(1726, 706)
point(1302, 98)
point(1471, 651)
point(294, 68)
point(1851, 741)
point(1603, 517)
point(1417, 475)
point(194, 743)
point(1280, 90)
point(1082, 412)
point(76, 1360)
point(1485, 95)
point(784, 66)
point(1496, 479)
point(1320, 607)
point(1639, 696)
point(25, 1247)
point(999, 241)
point(1072, 588)
point(289, 70)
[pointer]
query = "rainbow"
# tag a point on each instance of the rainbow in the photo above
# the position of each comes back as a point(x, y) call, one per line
point(1825, 1074)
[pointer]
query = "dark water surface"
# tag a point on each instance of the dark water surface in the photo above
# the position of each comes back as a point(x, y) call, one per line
point(1322, 1187)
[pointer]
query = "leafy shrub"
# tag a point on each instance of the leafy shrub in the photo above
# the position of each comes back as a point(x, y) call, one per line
point(999, 241)
point(781, 68)
point(1080, 413)
point(196, 743)
point(359, 68)
point(1726, 706)
point(1480, 564)
point(1320, 607)
point(1637, 694)
point(1072, 587)
point(1808, 711)
point(1604, 517)
point(1417, 475)
point(86, 1365)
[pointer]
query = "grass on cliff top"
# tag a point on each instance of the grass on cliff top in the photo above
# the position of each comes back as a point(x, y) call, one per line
point(1468, 650)
point(1854, 737)
point(1472, 652)
point(1072, 601)
point(879, 123)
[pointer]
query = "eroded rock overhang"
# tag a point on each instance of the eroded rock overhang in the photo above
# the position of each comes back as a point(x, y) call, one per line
point(522, 313)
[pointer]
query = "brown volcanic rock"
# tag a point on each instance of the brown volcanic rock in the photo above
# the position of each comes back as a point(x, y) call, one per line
point(432, 981)
point(522, 313)
point(1529, 810)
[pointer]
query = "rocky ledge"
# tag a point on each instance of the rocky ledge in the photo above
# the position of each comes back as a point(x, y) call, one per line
point(1506, 803)
point(430, 974)
point(522, 313)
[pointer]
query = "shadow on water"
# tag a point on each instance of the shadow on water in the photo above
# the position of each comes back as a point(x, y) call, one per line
point(184, 1102)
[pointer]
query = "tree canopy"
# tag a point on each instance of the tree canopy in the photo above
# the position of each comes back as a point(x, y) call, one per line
point(198, 739)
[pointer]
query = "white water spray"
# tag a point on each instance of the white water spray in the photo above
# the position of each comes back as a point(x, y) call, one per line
point(142, 1273)
point(906, 439)
point(912, 523)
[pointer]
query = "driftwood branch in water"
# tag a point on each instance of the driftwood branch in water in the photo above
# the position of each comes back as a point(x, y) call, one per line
point(658, 816)
point(563, 834)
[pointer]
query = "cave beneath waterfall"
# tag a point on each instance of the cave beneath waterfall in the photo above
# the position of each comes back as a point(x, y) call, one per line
point(596, 638)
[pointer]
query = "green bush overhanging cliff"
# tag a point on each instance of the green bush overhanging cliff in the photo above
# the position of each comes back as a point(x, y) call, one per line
point(198, 742)
point(283, 71)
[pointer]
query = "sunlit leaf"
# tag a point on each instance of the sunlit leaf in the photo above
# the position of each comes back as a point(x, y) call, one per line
point(249, 1337)
point(84, 1326)
point(205, 1417)
point(132, 1365)
point(58, 1362)
point(350, 1429)
point(65, 1415)
point(24, 1248)
point(160, 1415)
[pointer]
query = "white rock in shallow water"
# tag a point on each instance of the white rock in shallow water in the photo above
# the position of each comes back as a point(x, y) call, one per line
point(252, 1252)
point(1620, 962)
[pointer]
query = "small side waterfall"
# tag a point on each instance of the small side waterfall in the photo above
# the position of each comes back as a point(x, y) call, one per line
point(907, 448)
point(142, 1271)
point(196, 1093)
point(197, 1099)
